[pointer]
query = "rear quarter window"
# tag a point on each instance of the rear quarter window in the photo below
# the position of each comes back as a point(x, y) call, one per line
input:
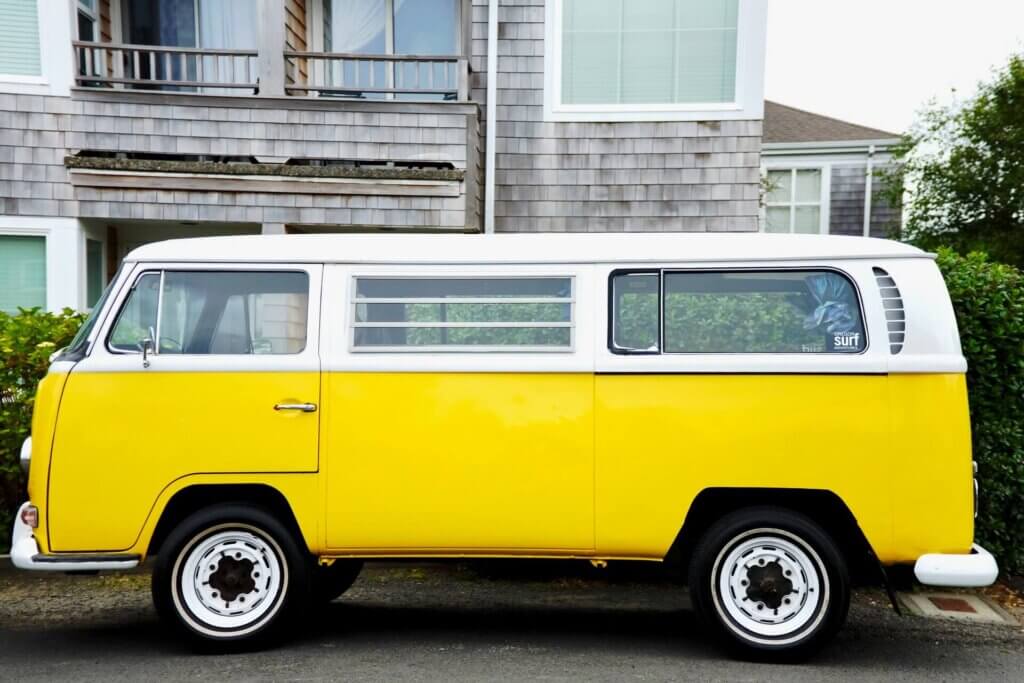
point(780, 311)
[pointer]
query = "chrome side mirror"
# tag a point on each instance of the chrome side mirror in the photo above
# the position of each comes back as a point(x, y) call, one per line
point(148, 346)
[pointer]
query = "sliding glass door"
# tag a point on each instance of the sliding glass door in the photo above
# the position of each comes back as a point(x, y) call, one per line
point(388, 27)
point(215, 24)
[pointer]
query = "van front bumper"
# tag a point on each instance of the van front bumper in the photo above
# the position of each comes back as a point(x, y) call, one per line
point(25, 554)
point(973, 570)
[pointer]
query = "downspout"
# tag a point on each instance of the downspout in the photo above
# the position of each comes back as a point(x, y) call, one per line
point(868, 190)
point(492, 115)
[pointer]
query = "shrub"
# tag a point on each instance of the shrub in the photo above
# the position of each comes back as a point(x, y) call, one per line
point(26, 342)
point(989, 302)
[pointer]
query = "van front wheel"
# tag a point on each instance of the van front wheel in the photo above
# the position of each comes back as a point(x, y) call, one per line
point(230, 574)
point(771, 583)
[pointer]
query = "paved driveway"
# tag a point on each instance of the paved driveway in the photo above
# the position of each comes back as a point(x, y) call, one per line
point(462, 622)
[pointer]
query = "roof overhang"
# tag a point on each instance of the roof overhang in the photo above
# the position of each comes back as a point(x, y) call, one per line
point(836, 147)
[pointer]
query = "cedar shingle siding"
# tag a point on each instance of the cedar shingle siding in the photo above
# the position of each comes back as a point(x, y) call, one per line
point(669, 176)
point(849, 185)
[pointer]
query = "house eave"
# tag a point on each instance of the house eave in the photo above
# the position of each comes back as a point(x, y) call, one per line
point(834, 147)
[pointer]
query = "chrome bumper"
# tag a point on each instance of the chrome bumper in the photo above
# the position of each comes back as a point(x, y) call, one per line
point(25, 555)
point(973, 570)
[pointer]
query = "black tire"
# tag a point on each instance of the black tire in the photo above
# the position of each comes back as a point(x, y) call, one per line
point(331, 581)
point(757, 562)
point(254, 560)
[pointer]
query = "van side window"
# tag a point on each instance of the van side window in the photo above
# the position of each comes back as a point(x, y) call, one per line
point(222, 313)
point(783, 311)
point(635, 315)
point(462, 314)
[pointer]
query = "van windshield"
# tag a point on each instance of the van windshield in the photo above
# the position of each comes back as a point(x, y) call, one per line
point(79, 346)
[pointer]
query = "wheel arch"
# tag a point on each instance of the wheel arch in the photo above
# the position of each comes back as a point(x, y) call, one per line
point(195, 497)
point(824, 507)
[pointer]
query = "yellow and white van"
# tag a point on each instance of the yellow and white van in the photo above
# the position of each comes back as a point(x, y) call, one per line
point(776, 415)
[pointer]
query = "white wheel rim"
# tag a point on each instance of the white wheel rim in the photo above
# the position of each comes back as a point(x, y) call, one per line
point(770, 587)
point(229, 580)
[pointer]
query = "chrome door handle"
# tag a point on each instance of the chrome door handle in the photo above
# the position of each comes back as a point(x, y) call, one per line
point(304, 407)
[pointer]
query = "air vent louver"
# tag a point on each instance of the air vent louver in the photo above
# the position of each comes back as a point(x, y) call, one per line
point(895, 317)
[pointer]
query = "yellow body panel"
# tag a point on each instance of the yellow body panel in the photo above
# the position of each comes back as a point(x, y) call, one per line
point(123, 438)
point(662, 439)
point(481, 463)
point(44, 417)
point(434, 464)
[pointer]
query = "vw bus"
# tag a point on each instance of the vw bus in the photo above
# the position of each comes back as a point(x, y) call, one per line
point(777, 417)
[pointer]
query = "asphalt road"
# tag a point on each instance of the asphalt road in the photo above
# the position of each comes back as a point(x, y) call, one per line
point(463, 622)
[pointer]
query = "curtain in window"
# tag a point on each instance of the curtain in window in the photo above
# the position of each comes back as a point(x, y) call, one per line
point(19, 38)
point(359, 25)
point(22, 272)
point(651, 52)
point(226, 24)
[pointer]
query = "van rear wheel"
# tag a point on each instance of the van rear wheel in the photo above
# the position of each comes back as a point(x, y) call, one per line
point(230, 574)
point(770, 583)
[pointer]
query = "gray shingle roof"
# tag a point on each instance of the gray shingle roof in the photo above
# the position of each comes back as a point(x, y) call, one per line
point(784, 124)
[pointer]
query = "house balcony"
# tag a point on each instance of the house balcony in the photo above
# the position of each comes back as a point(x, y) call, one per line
point(267, 121)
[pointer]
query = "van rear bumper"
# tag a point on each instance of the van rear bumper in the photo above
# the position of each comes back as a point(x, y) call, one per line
point(25, 554)
point(973, 570)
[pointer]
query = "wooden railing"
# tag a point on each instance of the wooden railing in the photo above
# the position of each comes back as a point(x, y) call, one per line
point(155, 67)
point(362, 76)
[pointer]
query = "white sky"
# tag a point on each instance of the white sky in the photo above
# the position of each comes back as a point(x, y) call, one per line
point(876, 62)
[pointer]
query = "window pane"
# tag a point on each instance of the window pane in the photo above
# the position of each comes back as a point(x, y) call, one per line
point(85, 28)
point(706, 50)
point(780, 187)
point(234, 313)
point(484, 313)
point(93, 271)
point(635, 312)
point(777, 219)
point(369, 337)
point(470, 312)
point(22, 272)
point(807, 220)
point(432, 288)
point(648, 43)
point(808, 186)
point(357, 26)
point(590, 68)
point(779, 312)
point(426, 27)
point(137, 319)
point(651, 52)
point(19, 38)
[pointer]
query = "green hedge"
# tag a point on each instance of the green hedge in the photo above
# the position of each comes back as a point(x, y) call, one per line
point(26, 342)
point(989, 302)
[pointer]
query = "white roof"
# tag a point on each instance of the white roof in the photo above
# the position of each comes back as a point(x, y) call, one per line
point(522, 248)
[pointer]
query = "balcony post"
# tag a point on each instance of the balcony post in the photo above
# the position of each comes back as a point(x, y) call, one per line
point(271, 47)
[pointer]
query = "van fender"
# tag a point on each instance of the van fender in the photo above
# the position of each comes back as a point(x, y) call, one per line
point(296, 495)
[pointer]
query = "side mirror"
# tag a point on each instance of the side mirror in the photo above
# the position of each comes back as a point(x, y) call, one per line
point(148, 346)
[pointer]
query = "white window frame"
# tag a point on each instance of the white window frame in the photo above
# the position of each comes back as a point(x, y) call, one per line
point(824, 203)
point(56, 22)
point(748, 103)
point(63, 255)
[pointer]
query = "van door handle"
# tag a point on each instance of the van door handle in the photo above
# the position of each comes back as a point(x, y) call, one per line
point(304, 407)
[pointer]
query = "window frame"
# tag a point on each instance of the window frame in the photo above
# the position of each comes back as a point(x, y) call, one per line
point(748, 103)
point(56, 69)
point(662, 272)
point(138, 274)
point(823, 203)
point(572, 324)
